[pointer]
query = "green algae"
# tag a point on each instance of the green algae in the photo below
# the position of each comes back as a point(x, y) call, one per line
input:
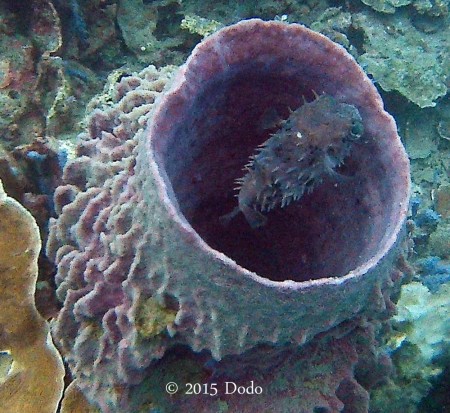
point(152, 318)
point(199, 25)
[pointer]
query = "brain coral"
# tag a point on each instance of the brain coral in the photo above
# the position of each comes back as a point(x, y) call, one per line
point(143, 260)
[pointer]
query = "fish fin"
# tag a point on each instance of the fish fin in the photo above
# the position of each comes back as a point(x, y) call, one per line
point(340, 177)
point(225, 219)
point(254, 218)
point(270, 119)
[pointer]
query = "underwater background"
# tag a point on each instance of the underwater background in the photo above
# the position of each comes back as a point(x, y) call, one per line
point(75, 71)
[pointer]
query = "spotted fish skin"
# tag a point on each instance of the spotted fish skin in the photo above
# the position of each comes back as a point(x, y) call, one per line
point(310, 145)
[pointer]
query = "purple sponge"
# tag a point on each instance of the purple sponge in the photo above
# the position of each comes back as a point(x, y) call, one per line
point(143, 259)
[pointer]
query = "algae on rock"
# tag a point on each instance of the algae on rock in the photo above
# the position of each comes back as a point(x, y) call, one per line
point(199, 25)
point(440, 240)
point(403, 59)
point(432, 7)
point(335, 23)
point(386, 6)
point(139, 23)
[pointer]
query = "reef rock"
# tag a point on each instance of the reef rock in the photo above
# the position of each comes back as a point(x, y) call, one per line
point(431, 7)
point(143, 261)
point(403, 59)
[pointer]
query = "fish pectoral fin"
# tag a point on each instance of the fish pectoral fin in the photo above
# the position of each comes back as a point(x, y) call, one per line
point(342, 178)
point(254, 218)
point(225, 219)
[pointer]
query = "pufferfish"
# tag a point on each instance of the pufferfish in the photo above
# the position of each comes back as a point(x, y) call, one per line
point(309, 146)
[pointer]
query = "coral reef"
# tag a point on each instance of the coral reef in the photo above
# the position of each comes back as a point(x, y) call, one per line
point(418, 135)
point(433, 272)
point(30, 174)
point(420, 337)
point(335, 23)
point(128, 99)
point(53, 56)
point(62, 89)
point(431, 7)
point(19, 118)
point(386, 6)
point(40, 101)
point(34, 380)
point(402, 58)
point(426, 316)
point(90, 33)
point(439, 243)
point(443, 200)
point(55, 53)
point(43, 91)
point(143, 262)
point(138, 23)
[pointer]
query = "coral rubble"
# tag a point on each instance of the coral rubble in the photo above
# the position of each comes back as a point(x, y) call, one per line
point(34, 381)
point(143, 261)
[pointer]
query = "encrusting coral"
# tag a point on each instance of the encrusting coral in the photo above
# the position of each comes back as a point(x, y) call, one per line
point(34, 382)
point(144, 263)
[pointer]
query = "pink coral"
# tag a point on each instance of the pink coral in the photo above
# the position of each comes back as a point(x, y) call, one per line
point(143, 261)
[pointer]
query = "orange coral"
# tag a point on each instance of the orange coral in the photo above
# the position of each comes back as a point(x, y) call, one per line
point(34, 382)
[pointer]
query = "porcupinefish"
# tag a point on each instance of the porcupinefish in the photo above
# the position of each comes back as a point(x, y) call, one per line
point(309, 146)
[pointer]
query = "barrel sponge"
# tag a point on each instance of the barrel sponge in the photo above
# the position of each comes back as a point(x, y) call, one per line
point(143, 261)
point(34, 382)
